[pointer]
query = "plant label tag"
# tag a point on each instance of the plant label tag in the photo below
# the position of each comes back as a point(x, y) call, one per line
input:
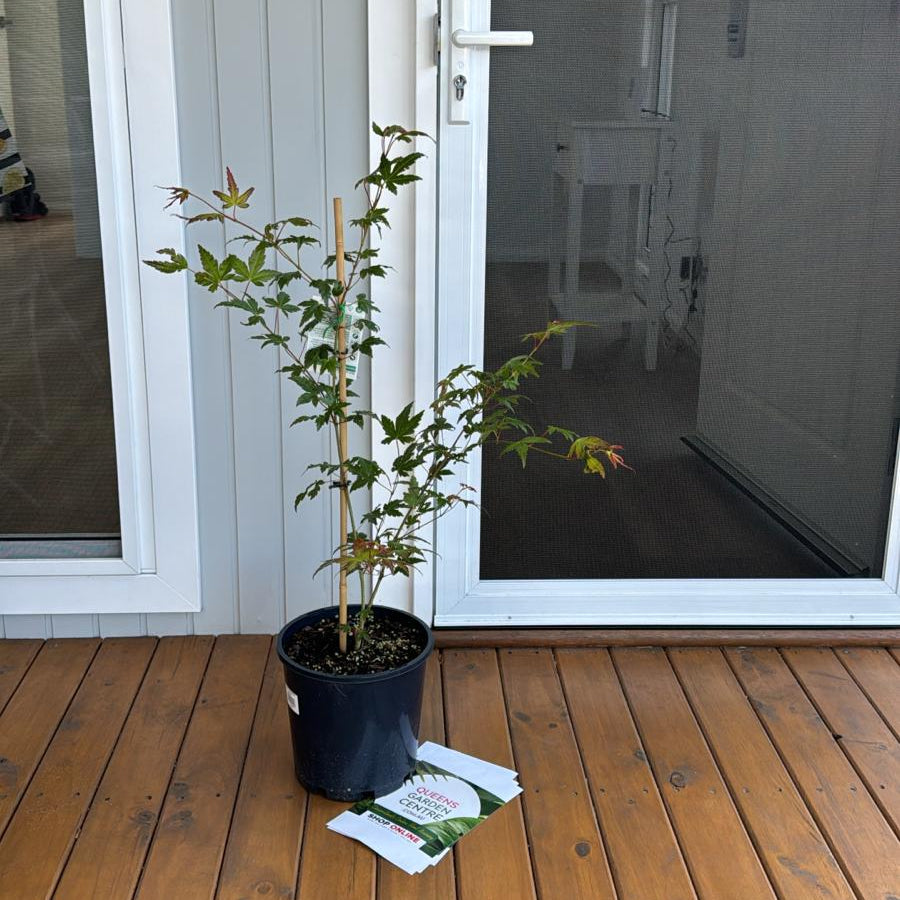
point(323, 333)
point(292, 700)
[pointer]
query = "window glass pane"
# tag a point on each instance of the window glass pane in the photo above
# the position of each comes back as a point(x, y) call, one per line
point(57, 452)
point(745, 348)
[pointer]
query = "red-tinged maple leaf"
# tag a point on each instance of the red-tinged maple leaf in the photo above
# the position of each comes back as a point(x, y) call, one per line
point(616, 459)
point(177, 195)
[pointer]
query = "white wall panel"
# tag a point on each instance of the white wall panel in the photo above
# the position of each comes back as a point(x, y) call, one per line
point(198, 99)
point(27, 626)
point(121, 625)
point(74, 626)
point(298, 145)
point(242, 47)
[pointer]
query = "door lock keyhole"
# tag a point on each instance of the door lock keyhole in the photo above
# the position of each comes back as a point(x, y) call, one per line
point(460, 84)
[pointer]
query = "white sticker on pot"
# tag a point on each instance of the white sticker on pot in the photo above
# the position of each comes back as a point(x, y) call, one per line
point(292, 700)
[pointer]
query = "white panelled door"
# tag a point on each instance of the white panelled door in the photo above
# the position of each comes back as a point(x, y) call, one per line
point(715, 193)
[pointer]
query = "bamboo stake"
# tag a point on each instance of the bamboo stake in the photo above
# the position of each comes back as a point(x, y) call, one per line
point(342, 427)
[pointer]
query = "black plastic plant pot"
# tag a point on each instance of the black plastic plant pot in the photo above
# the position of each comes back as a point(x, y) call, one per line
point(354, 735)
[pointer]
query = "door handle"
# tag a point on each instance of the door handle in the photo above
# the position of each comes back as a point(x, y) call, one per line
point(467, 74)
point(463, 39)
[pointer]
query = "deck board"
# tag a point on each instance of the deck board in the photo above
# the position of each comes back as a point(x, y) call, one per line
point(263, 850)
point(863, 735)
point(876, 671)
point(861, 838)
point(115, 836)
point(37, 842)
point(688, 773)
point(438, 882)
point(644, 852)
point(566, 847)
point(186, 851)
point(331, 865)
point(698, 801)
point(33, 712)
point(493, 862)
point(796, 856)
point(16, 657)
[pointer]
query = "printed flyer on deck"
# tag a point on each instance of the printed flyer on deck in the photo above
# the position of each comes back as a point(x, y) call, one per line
point(449, 794)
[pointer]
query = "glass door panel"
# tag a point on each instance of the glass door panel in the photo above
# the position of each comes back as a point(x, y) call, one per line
point(714, 188)
point(58, 488)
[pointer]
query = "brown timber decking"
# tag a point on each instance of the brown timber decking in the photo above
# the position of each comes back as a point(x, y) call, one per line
point(162, 769)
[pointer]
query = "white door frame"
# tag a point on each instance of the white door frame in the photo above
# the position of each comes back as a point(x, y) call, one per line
point(402, 53)
point(454, 335)
point(132, 77)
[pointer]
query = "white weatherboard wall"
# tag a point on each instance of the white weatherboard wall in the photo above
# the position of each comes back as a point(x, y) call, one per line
point(252, 81)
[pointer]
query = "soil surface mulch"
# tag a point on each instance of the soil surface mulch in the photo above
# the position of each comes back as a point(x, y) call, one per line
point(389, 645)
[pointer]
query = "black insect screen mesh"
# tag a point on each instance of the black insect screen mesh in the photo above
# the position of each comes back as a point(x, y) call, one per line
point(715, 188)
point(57, 446)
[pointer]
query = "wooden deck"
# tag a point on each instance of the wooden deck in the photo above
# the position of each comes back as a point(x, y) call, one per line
point(162, 769)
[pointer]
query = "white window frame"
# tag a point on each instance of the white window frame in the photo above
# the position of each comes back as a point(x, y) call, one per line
point(453, 334)
point(132, 77)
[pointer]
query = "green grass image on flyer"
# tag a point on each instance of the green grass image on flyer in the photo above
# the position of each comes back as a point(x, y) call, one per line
point(435, 805)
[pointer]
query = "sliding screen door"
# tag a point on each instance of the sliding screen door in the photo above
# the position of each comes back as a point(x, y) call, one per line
point(714, 190)
point(58, 477)
point(98, 510)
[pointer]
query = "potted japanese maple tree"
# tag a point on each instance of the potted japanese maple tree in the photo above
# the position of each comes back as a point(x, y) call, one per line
point(354, 673)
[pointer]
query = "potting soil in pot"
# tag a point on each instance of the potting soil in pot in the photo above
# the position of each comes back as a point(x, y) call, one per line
point(389, 645)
